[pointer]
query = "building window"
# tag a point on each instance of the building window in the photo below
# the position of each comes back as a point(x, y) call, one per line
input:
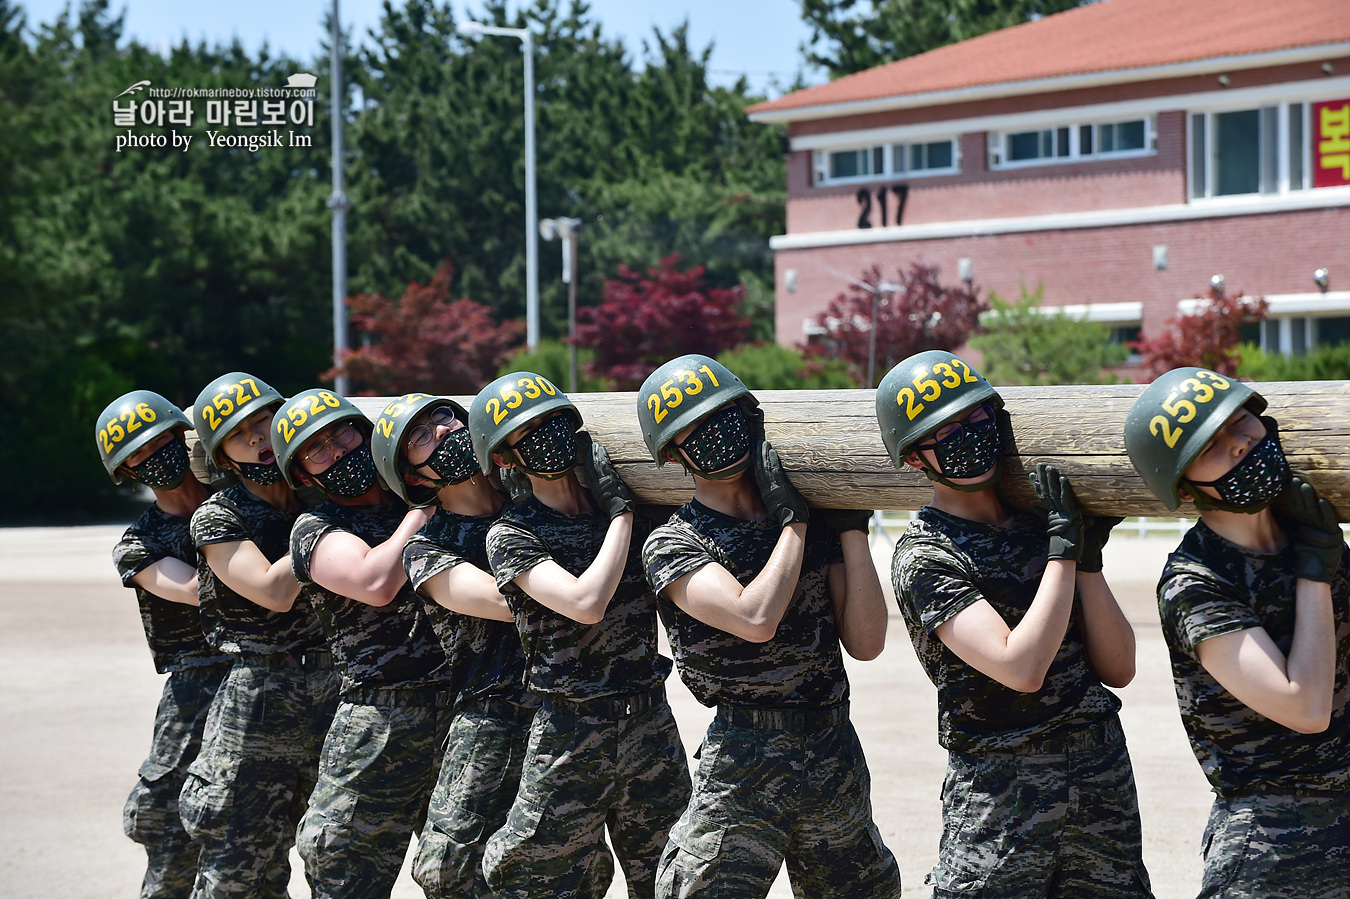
point(931, 157)
point(855, 163)
point(1295, 335)
point(938, 157)
point(1238, 152)
point(1073, 143)
point(1332, 331)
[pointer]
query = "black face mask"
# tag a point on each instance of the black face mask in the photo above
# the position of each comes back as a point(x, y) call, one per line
point(453, 459)
point(1251, 484)
point(975, 451)
point(165, 468)
point(260, 473)
point(550, 450)
point(714, 447)
point(350, 476)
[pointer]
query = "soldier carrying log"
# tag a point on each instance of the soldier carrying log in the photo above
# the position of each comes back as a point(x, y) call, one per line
point(1255, 609)
point(1015, 625)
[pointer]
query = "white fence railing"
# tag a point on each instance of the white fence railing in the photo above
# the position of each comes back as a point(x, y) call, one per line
point(892, 524)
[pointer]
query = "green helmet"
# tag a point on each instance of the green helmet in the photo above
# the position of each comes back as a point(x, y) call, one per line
point(304, 415)
point(924, 392)
point(1175, 418)
point(386, 444)
point(225, 403)
point(681, 392)
point(508, 403)
point(129, 423)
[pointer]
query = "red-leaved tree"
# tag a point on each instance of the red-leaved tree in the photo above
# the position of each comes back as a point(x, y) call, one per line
point(1209, 337)
point(914, 313)
point(647, 318)
point(424, 341)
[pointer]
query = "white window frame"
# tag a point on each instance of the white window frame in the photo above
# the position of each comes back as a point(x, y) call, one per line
point(820, 162)
point(1283, 185)
point(998, 143)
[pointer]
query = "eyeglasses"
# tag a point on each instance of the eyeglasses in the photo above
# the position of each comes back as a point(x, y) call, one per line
point(954, 431)
point(424, 434)
point(321, 452)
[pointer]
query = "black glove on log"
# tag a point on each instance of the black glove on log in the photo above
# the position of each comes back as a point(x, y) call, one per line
point(608, 489)
point(782, 501)
point(1317, 538)
point(1095, 535)
point(1064, 524)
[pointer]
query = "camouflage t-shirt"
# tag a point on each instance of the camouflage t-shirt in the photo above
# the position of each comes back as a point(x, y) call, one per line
point(943, 564)
point(173, 629)
point(232, 622)
point(485, 656)
point(385, 646)
point(1212, 587)
point(563, 656)
point(802, 666)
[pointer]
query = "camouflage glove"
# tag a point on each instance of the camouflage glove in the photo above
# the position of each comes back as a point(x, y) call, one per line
point(782, 501)
point(1064, 523)
point(517, 484)
point(1095, 535)
point(848, 519)
point(1317, 538)
point(607, 488)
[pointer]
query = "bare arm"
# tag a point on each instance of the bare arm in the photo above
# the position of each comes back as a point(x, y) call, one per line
point(583, 599)
point(169, 578)
point(1296, 690)
point(350, 567)
point(859, 604)
point(1108, 639)
point(754, 611)
point(1017, 658)
point(245, 570)
point(468, 590)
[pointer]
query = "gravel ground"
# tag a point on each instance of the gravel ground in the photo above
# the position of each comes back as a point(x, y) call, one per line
point(79, 693)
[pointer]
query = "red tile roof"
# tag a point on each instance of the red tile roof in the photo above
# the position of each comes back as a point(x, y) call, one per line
point(1109, 36)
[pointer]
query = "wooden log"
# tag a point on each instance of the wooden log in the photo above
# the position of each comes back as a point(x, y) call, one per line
point(831, 446)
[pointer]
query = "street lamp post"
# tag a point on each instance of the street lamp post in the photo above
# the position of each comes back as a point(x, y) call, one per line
point(339, 204)
point(876, 291)
point(526, 38)
point(567, 229)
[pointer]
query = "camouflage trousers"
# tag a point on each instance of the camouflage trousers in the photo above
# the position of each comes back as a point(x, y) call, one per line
point(614, 763)
point(150, 816)
point(259, 760)
point(774, 786)
point(1284, 845)
point(479, 778)
point(379, 766)
point(1055, 819)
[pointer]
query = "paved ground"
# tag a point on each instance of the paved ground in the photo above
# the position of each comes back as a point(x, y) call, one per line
point(78, 693)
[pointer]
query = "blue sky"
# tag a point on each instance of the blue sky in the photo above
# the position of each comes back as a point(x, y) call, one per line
point(758, 37)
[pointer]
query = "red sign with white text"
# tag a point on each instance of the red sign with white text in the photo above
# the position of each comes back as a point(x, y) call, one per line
point(1331, 143)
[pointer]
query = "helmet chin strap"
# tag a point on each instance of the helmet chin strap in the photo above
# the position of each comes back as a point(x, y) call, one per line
point(1205, 503)
point(934, 475)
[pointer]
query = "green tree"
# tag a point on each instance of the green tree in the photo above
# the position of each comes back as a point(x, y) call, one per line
point(146, 268)
point(1323, 363)
point(1024, 345)
point(850, 36)
point(551, 359)
point(768, 366)
point(161, 269)
point(652, 160)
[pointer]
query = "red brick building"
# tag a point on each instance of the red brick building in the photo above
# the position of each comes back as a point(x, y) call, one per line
point(1119, 154)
